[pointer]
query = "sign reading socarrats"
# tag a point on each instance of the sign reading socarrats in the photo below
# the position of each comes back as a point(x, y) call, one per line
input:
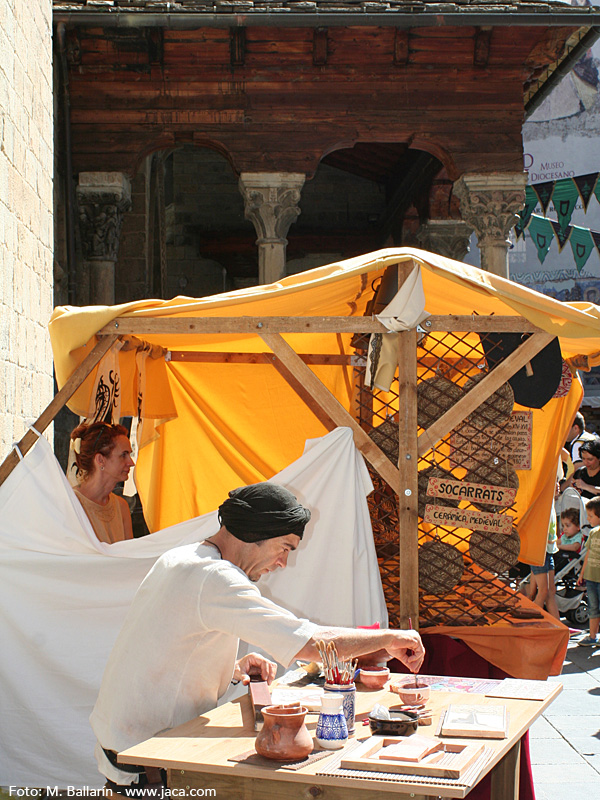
point(474, 492)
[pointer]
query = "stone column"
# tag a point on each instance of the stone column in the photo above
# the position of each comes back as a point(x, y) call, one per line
point(271, 202)
point(447, 237)
point(489, 203)
point(102, 199)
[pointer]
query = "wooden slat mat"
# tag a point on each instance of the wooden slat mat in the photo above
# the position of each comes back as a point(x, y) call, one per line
point(468, 779)
point(252, 758)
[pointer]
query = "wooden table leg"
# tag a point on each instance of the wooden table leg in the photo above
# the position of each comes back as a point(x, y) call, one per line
point(506, 774)
point(229, 787)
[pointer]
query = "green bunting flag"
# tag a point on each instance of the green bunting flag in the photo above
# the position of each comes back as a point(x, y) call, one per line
point(582, 240)
point(542, 233)
point(562, 236)
point(544, 193)
point(561, 192)
point(585, 186)
point(531, 201)
point(564, 194)
point(582, 245)
point(565, 197)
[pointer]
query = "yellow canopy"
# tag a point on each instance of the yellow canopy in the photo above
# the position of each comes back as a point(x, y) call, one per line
point(215, 426)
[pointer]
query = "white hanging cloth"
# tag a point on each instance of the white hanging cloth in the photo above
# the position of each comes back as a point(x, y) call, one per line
point(65, 594)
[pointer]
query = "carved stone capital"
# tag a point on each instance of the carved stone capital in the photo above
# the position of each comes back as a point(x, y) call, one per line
point(489, 203)
point(447, 237)
point(271, 202)
point(103, 197)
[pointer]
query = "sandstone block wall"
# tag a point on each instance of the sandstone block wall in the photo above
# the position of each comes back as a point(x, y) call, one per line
point(26, 148)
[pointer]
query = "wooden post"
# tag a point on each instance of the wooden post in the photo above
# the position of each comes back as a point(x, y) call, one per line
point(408, 520)
point(60, 399)
point(505, 777)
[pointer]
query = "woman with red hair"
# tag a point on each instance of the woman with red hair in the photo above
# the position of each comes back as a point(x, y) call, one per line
point(103, 459)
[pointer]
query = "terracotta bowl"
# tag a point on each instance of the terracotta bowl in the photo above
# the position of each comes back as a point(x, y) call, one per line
point(411, 695)
point(374, 677)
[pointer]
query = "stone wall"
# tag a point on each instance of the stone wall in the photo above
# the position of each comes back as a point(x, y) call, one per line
point(26, 148)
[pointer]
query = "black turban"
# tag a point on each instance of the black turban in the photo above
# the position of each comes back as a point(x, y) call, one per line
point(262, 511)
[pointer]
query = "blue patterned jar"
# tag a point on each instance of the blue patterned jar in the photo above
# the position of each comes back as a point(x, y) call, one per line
point(332, 731)
point(348, 692)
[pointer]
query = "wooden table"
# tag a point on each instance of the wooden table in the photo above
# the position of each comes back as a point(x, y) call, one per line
point(195, 755)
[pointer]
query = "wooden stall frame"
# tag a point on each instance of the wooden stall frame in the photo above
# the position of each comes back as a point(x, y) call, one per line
point(295, 370)
point(62, 397)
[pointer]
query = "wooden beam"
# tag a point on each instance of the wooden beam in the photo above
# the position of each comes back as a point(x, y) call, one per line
point(237, 46)
point(203, 325)
point(481, 47)
point(332, 407)
point(156, 45)
point(157, 325)
point(401, 47)
point(479, 324)
point(484, 389)
point(60, 399)
point(210, 357)
point(320, 47)
point(408, 488)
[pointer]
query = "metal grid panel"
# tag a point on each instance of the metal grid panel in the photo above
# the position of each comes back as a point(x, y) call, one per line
point(479, 596)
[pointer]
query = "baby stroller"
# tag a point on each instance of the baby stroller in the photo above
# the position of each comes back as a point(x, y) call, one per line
point(570, 598)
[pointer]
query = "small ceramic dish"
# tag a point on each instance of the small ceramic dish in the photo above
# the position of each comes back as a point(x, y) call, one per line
point(410, 694)
point(401, 723)
point(374, 677)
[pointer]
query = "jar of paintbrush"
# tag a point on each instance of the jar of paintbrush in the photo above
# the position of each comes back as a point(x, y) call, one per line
point(339, 677)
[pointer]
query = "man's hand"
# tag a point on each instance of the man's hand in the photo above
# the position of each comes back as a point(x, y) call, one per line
point(408, 648)
point(374, 659)
point(255, 664)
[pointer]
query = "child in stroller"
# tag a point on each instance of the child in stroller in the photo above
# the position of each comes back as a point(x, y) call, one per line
point(570, 541)
point(568, 565)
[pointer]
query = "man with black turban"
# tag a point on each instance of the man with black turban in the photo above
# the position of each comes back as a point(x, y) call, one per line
point(176, 653)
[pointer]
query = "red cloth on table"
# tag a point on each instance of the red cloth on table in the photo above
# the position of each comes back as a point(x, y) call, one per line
point(446, 656)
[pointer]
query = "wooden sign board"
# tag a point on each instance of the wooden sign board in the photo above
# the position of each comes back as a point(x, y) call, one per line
point(478, 492)
point(513, 441)
point(443, 760)
point(468, 518)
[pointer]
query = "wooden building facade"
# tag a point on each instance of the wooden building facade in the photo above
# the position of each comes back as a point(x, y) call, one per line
point(204, 146)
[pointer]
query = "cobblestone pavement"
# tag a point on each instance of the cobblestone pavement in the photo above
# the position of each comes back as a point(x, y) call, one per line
point(565, 741)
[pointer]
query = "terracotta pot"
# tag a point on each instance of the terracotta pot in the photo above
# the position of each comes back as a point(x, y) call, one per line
point(410, 694)
point(284, 735)
point(374, 677)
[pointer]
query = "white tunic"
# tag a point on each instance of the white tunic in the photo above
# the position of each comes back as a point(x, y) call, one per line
point(175, 654)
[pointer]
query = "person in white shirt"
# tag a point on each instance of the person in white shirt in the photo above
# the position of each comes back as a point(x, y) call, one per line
point(175, 655)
